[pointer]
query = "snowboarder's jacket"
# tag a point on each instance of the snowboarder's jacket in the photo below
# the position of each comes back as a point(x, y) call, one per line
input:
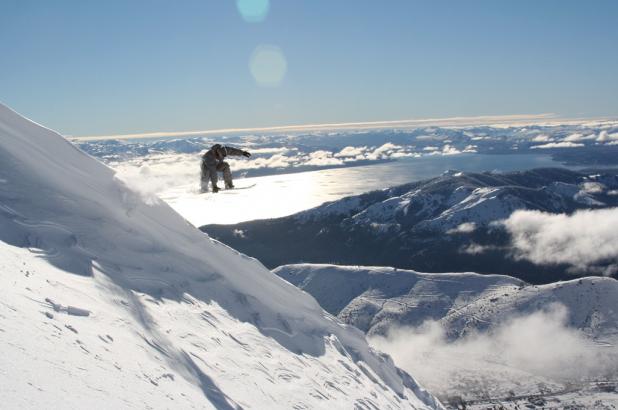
point(212, 161)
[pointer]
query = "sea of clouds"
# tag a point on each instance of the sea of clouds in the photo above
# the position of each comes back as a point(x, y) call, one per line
point(521, 356)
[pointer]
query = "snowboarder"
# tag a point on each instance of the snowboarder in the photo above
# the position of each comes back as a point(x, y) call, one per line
point(212, 162)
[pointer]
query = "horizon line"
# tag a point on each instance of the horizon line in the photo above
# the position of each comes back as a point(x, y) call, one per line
point(520, 119)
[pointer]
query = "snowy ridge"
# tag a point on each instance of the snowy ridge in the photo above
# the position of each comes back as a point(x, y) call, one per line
point(189, 320)
point(378, 298)
point(375, 298)
point(591, 302)
point(444, 203)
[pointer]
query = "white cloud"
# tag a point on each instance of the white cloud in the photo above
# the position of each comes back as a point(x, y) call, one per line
point(322, 158)
point(351, 151)
point(466, 227)
point(542, 138)
point(477, 249)
point(404, 154)
point(583, 240)
point(512, 355)
point(256, 151)
point(239, 233)
point(450, 150)
point(604, 136)
point(385, 148)
point(382, 152)
point(562, 144)
point(579, 137)
point(274, 161)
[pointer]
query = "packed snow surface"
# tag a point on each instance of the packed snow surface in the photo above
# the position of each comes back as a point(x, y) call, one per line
point(113, 301)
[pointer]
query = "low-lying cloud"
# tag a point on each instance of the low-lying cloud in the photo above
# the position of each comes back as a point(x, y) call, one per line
point(586, 240)
point(514, 356)
point(561, 144)
point(466, 227)
point(382, 152)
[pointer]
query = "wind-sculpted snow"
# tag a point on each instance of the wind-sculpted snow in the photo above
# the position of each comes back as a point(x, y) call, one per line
point(175, 319)
point(450, 223)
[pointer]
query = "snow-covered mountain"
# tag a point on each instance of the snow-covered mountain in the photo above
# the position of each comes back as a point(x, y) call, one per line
point(436, 225)
point(376, 298)
point(110, 300)
point(482, 341)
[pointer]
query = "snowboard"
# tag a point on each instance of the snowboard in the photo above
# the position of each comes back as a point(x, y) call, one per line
point(237, 188)
point(229, 191)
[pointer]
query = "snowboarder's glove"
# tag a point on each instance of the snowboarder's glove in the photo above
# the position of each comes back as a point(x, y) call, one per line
point(246, 154)
point(215, 189)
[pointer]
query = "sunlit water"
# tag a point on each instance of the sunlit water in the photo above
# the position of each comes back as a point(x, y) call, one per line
point(280, 195)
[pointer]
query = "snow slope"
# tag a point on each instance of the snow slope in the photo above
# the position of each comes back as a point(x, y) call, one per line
point(111, 300)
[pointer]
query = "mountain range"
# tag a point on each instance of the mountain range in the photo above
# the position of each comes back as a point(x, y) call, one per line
point(451, 223)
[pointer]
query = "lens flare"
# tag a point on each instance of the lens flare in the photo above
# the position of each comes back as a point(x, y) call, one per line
point(253, 11)
point(268, 65)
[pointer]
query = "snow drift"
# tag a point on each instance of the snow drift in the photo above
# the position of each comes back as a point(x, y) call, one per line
point(112, 300)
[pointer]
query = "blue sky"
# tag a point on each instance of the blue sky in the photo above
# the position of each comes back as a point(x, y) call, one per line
point(118, 66)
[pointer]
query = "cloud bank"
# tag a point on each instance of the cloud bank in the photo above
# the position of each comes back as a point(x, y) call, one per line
point(582, 240)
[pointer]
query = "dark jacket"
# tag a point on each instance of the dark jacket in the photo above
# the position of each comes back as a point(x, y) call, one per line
point(216, 154)
point(212, 161)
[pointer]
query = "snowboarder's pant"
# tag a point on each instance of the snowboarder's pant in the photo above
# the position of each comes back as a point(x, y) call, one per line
point(210, 173)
